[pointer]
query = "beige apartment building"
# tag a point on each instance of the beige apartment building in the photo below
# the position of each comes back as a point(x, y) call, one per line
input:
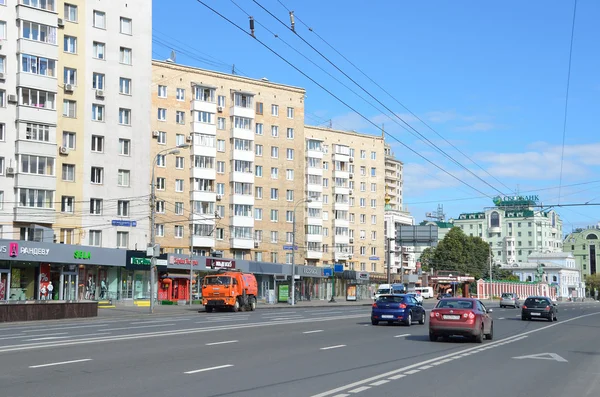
point(233, 191)
point(345, 181)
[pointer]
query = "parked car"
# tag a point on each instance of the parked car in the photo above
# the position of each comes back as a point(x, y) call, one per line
point(463, 317)
point(397, 308)
point(509, 299)
point(539, 307)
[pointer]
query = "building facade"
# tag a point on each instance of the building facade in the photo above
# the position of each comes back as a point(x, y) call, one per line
point(514, 228)
point(232, 193)
point(82, 171)
point(393, 179)
point(584, 245)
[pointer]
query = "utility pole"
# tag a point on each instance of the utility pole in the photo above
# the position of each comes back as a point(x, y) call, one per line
point(389, 259)
point(491, 276)
point(293, 292)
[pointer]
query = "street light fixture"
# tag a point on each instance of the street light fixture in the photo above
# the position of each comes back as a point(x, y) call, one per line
point(175, 150)
point(306, 200)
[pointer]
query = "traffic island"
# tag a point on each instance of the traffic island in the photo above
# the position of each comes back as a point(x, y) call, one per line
point(51, 310)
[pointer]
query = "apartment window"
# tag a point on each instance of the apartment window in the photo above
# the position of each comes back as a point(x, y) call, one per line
point(180, 94)
point(274, 152)
point(363, 154)
point(373, 155)
point(221, 123)
point(161, 183)
point(162, 114)
point(160, 230)
point(178, 208)
point(221, 210)
point(97, 175)
point(97, 144)
point(289, 195)
point(220, 145)
point(38, 32)
point(373, 219)
point(220, 167)
point(69, 108)
point(70, 12)
point(95, 238)
point(124, 147)
point(2, 132)
point(96, 206)
point(290, 133)
point(289, 174)
point(373, 187)
point(274, 131)
point(70, 44)
point(36, 65)
point(290, 113)
point(125, 55)
point(2, 98)
point(98, 50)
point(161, 160)
point(126, 27)
point(38, 165)
point(178, 231)
point(68, 172)
point(160, 207)
point(258, 192)
point(70, 76)
point(2, 58)
point(274, 193)
point(274, 173)
point(289, 216)
point(373, 171)
point(179, 139)
point(98, 81)
point(274, 257)
point(258, 150)
point(274, 110)
point(123, 178)
point(179, 185)
point(38, 99)
point(259, 108)
point(258, 171)
point(162, 138)
point(179, 163)
point(180, 117)
point(123, 208)
point(259, 128)
point(162, 91)
point(97, 112)
point(290, 154)
point(36, 198)
point(99, 20)
point(122, 239)
point(124, 116)
point(204, 117)
point(274, 215)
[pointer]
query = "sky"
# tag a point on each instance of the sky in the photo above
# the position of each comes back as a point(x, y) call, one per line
point(485, 82)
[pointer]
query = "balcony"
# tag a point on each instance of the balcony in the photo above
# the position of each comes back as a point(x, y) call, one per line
point(203, 241)
point(242, 112)
point(38, 15)
point(343, 157)
point(204, 173)
point(314, 255)
point(342, 206)
point(202, 219)
point(39, 115)
point(315, 204)
point(344, 174)
point(27, 146)
point(315, 188)
point(314, 238)
point(318, 154)
point(245, 199)
point(244, 221)
point(38, 48)
point(341, 223)
point(245, 177)
point(341, 190)
point(204, 151)
point(246, 155)
point(197, 195)
point(44, 182)
point(41, 82)
point(314, 171)
point(203, 106)
point(204, 128)
point(342, 256)
point(241, 243)
point(242, 134)
point(314, 221)
point(341, 239)
point(35, 215)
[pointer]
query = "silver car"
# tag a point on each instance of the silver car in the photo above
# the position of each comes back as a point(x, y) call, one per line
point(509, 299)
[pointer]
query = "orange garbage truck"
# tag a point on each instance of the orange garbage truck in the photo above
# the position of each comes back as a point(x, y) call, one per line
point(229, 289)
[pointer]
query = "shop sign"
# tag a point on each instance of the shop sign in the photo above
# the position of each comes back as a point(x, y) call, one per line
point(183, 261)
point(14, 250)
point(220, 264)
point(311, 271)
point(516, 200)
point(362, 275)
point(141, 261)
point(82, 255)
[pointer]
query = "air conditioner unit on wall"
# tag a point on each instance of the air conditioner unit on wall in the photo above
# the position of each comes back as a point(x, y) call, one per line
point(220, 109)
point(219, 197)
point(69, 87)
point(189, 138)
point(10, 171)
point(60, 23)
point(100, 93)
point(1, 74)
point(12, 99)
point(63, 150)
point(256, 244)
point(155, 134)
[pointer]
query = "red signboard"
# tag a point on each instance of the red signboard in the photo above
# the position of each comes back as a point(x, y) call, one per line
point(220, 264)
point(44, 280)
point(182, 261)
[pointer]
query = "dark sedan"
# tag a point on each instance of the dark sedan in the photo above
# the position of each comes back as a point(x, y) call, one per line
point(397, 308)
point(539, 307)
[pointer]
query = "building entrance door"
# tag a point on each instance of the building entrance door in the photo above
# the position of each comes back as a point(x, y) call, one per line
point(4, 285)
point(69, 287)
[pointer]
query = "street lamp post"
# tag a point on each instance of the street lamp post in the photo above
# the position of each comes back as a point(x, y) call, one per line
point(169, 151)
point(306, 200)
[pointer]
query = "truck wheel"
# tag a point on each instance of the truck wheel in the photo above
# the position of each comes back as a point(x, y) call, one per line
point(252, 304)
point(242, 307)
point(236, 306)
point(209, 309)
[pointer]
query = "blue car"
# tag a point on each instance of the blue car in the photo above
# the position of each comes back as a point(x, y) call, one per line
point(397, 308)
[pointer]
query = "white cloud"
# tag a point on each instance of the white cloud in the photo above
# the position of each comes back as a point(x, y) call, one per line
point(477, 127)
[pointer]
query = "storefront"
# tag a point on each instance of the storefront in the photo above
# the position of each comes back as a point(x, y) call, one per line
point(134, 282)
point(312, 284)
point(41, 271)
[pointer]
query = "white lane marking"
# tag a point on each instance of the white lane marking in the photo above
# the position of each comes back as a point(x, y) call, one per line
point(138, 327)
point(501, 318)
point(220, 320)
point(286, 318)
point(222, 343)
point(359, 389)
point(62, 328)
point(397, 376)
point(208, 369)
point(389, 374)
point(278, 313)
point(326, 312)
point(401, 336)
point(412, 371)
point(332, 347)
point(544, 356)
point(341, 395)
point(29, 336)
point(48, 338)
point(425, 367)
point(60, 363)
point(313, 332)
point(150, 322)
point(187, 331)
point(366, 325)
point(379, 382)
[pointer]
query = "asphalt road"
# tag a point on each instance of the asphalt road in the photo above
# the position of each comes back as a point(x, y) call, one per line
point(299, 352)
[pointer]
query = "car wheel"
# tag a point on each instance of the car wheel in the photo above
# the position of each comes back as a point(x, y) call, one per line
point(523, 318)
point(501, 306)
point(479, 337)
point(433, 337)
point(422, 320)
point(490, 336)
point(551, 318)
point(374, 322)
point(408, 322)
point(555, 318)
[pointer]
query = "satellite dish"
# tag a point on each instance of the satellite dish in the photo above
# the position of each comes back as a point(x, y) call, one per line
point(173, 57)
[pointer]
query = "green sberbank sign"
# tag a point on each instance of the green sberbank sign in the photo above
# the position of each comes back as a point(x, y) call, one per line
point(516, 200)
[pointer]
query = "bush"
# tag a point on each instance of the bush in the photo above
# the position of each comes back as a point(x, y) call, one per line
point(167, 303)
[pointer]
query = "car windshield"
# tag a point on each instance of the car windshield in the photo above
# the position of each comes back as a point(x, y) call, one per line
point(390, 299)
point(454, 304)
point(536, 302)
point(383, 291)
point(217, 280)
point(507, 295)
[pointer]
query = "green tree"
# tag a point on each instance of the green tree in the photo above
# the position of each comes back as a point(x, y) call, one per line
point(592, 282)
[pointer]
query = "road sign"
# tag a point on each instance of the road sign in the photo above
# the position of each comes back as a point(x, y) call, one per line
point(543, 356)
point(338, 268)
point(141, 261)
point(290, 248)
point(327, 272)
point(119, 222)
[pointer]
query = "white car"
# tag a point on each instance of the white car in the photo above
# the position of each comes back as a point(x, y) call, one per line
point(418, 297)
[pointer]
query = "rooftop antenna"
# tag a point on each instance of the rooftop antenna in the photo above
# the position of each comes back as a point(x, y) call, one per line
point(233, 69)
point(173, 57)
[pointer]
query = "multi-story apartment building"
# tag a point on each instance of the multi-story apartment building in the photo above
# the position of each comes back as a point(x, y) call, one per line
point(393, 179)
point(82, 171)
point(346, 185)
point(514, 228)
point(584, 244)
point(234, 190)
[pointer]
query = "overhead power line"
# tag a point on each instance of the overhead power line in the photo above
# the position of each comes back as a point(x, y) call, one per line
point(339, 99)
point(393, 97)
point(440, 150)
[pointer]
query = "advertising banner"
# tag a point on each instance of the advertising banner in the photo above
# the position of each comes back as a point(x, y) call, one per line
point(351, 293)
point(283, 293)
